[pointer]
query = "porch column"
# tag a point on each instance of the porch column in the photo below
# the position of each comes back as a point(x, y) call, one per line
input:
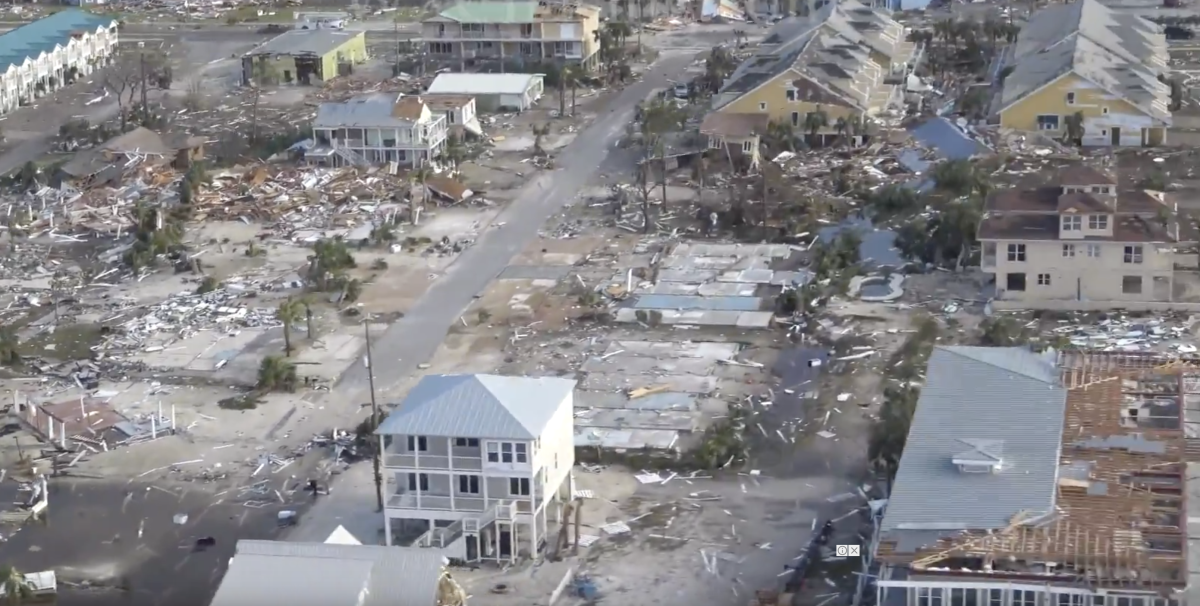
point(387, 529)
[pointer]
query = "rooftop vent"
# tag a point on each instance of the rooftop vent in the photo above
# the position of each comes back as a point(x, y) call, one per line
point(984, 456)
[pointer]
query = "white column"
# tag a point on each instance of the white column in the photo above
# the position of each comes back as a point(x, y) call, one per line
point(387, 528)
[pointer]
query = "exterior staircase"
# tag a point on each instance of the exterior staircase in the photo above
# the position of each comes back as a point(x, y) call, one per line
point(352, 158)
point(441, 538)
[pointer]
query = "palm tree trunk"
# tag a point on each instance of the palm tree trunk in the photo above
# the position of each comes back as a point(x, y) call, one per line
point(287, 339)
point(574, 89)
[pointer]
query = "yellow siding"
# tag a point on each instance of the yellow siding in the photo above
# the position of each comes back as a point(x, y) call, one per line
point(774, 94)
point(590, 25)
point(1052, 100)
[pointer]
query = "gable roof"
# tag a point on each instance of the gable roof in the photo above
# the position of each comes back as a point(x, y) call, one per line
point(371, 110)
point(830, 47)
point(32, 39)
point(337, 575)
point(998, 402)
point(1121, 53)
point(480, 406)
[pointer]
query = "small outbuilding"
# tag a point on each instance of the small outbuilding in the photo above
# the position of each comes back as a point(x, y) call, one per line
point(492, 92)
point(303, 56)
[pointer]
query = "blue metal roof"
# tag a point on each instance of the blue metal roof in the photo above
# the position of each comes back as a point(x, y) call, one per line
point(948, 140)
point(33, 39)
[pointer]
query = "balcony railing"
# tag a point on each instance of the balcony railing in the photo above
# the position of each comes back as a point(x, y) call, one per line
point(432, 462)
point(441, 501)
point(988, 262)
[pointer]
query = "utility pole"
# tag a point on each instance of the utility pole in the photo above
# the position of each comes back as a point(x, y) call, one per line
point(145, 99)
point(376, 448)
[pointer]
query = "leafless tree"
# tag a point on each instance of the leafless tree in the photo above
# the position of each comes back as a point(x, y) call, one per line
point(134, 72)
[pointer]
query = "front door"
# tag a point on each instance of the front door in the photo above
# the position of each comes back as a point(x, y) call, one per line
point(1116, 136)
point(505, 543)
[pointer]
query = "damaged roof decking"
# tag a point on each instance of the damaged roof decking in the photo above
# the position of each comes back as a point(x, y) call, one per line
point(306, 42)
point(1116, 508)
point(1121, 53)
point(832, 47)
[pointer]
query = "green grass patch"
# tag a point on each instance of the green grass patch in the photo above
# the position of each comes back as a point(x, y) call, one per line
point(69, 341)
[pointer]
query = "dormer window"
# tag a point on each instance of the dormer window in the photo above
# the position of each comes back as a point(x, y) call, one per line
point(1072, 223)
point(1098, 222)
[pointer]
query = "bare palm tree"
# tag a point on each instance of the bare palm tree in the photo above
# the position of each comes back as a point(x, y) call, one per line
point(289, 312)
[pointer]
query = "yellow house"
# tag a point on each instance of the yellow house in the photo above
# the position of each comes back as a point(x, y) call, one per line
point(516, 32)
point(306, 55)
point(836, 62)
point(1086, 59)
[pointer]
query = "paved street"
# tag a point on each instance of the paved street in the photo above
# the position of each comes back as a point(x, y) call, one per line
point(414, 338)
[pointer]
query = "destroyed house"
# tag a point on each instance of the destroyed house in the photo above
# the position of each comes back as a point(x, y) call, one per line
point(478, 465)
point(1044, 479)
point(113, 159)
point(377, 128)
point(1083, 237)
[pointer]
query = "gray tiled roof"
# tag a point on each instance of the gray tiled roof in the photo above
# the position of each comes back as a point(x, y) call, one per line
point(479, 406)
point(1122, 53)
point(978, 403)
point(830, 47)
point(334, 575)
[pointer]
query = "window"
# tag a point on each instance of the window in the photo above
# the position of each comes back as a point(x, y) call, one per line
point(1097, 221)
point(1024, 598)
point(791, 94)
point(1015, 282)
point(795, 118)
point(493, 449)
point(1133, 254)
point(1070, 98)
point(1047, 122)
point(506, 452)
point(762, 107)
point(1072, 223)
point(995, 597)
point(747, 146)
point(1070, 599)
point(1016, 252)
point(1068, 250)
point(1093, 251)
point(522, 454)
point(1098, 600)
point(468, 484)
point(1104, 110)
point(1131, 285)
point(518, 487)
point(418, 479)
point(526, 29)
point(1043, 279)
point(958, 597)
point(467, 442)
point(417, 443)
point(929, 596)
point(440, 48)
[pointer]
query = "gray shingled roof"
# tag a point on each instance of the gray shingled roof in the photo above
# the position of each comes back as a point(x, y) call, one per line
point(978, 403)
point(368, 111)
point(832, 44)
point(264, 572)
point(1122, 53)
point(479, 406)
